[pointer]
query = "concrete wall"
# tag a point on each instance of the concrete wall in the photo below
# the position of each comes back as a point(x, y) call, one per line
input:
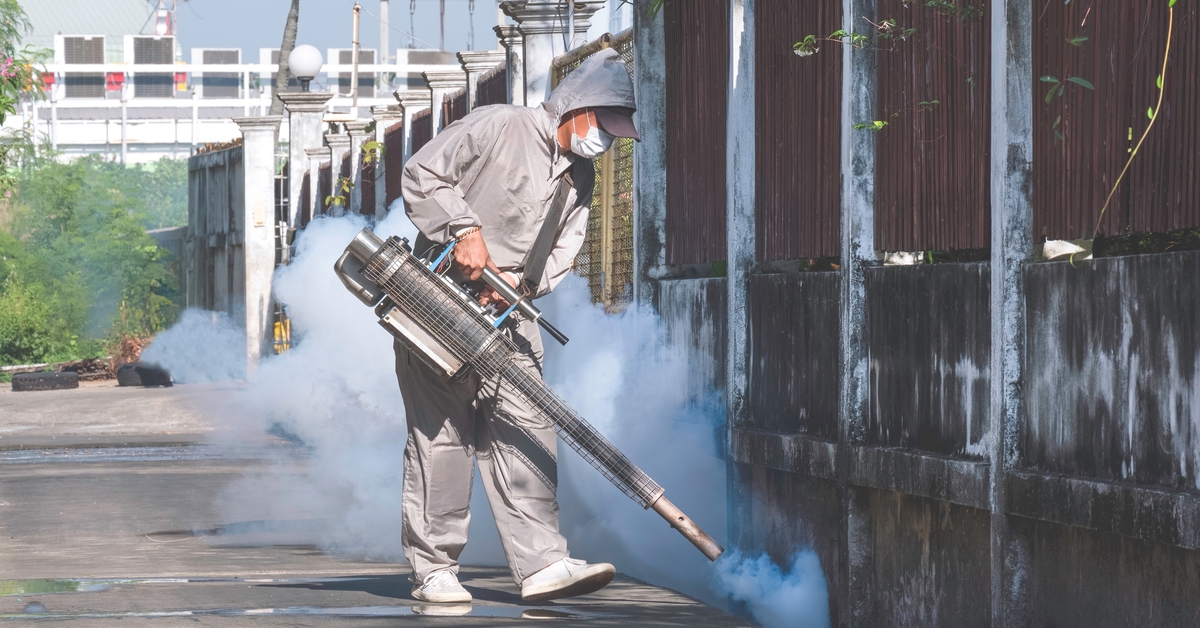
point(1114, 371)
point(999, 443)
point(216, 209)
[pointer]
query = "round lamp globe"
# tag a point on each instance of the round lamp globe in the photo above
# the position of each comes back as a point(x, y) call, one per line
point(305, 62)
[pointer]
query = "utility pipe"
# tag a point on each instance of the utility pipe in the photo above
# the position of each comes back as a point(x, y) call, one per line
point(354, 63)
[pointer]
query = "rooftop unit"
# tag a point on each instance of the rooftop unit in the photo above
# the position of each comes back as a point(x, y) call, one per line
point(151, 50)
point(217, 84)
point(82, 49)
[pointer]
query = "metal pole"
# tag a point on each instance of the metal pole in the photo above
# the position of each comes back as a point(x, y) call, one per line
point(384, 54)
point(124, 120)
point(53, 120)
point(354, 60)
point(570, 25)
point(195, 119)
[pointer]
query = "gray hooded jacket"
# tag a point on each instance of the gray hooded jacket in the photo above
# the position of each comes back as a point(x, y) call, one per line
point(497, 168)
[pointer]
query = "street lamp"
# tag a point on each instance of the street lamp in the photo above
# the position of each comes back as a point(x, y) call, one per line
point(305, 62)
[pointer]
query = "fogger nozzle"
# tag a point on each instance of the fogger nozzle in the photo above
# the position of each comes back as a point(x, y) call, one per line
point(687, 527)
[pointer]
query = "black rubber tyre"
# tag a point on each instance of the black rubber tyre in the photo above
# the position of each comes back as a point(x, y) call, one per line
point(127, 375)
point(45, 381)
point(152, 375)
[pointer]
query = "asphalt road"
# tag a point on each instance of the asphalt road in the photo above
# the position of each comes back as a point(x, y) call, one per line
point(107, 517)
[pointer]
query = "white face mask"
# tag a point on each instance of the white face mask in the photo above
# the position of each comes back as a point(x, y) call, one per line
point(594, 144)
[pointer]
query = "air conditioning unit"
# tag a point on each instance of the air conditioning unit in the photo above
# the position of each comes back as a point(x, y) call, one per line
point(339, 82)
point(412, 62)
point(81, 49)
point(151, 50)
point(271, 56)
point(217, 84)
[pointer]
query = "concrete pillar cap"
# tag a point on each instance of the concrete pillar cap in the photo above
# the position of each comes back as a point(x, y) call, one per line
point(258, 123)
point(445, 79)
point(541, 17)
point(305, 102)
point(481, 60)
point(337, 140)
point(413, 98)
point(508, 34)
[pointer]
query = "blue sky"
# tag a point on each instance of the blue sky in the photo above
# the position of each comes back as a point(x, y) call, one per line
point(254, 24)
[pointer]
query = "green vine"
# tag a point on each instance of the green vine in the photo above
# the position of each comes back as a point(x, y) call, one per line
point(1152, 113)
point(371, 152)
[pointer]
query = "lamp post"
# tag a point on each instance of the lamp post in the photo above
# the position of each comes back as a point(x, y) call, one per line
point(305, 62)
point(305, 110)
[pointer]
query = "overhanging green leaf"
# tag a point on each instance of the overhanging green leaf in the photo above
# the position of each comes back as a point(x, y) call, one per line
point(1081, 82)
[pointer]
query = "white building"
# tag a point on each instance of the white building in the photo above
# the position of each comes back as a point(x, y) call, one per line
point(121, 86)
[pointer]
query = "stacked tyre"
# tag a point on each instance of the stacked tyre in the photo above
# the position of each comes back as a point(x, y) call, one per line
point(142, 374)
point(45, 381)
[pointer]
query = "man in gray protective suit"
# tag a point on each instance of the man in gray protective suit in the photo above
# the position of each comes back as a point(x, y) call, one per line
point(511, 185)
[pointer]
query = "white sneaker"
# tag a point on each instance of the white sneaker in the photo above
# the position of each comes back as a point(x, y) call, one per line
point(441, 587)
point(566, 578)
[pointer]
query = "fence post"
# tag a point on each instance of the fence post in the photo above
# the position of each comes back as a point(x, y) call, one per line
point(740, 226)
point(441, 83)
point(316, 158)
point(385, 118)
point(358, 136)
point(258, 233)
point(339, 146)
point(304, 132)
point(650, 166)
point(857, 253)
point(411, 102)
point(475, 63)
point(543, 25)
point(1011, 246)
point(514, 45)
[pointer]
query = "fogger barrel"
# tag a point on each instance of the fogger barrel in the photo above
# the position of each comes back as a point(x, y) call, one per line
point(444, 324)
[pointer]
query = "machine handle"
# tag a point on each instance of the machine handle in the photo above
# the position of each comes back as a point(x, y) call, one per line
point(558, 335)
point(524, 306)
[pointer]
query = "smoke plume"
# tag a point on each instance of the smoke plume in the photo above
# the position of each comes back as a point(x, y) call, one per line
point(796, 599)
point(335, 392)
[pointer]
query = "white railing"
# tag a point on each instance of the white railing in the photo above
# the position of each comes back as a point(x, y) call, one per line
point(107, 123)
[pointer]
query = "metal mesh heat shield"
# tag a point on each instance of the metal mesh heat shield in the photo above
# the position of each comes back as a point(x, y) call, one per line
point(444, 312)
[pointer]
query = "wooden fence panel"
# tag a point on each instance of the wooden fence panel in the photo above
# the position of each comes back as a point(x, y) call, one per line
point(798, 104)
point(393, 152)
point(422, 131)
point(697, 58)
point(932, 166)
point(1083, 138)
point(492, 88)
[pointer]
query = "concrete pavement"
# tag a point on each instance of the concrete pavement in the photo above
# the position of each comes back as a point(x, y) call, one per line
point(107, 515)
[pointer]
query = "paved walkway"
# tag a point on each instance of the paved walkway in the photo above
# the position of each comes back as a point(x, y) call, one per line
point(107, 516)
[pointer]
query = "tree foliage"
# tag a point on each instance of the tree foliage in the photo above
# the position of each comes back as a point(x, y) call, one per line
point(79, 271)
point(19, 66)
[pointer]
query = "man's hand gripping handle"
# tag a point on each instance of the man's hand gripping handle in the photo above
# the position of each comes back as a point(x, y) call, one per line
point(524, 306)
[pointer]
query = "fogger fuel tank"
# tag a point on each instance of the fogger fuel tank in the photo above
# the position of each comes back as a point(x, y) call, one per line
point(440, 321)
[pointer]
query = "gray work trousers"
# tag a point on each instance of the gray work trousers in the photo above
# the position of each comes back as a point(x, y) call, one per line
point(452, 424)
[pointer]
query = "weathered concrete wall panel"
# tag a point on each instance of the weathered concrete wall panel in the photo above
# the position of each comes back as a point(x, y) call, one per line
point(794, 353)
point(1114, 369)
point(928, 341)
point(213, 266)
point(929, 562)
point(1081, 578)
point(693, 312)
point(791, 512)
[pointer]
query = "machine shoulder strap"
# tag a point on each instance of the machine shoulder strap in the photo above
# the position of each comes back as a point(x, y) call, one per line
point(582, 177)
